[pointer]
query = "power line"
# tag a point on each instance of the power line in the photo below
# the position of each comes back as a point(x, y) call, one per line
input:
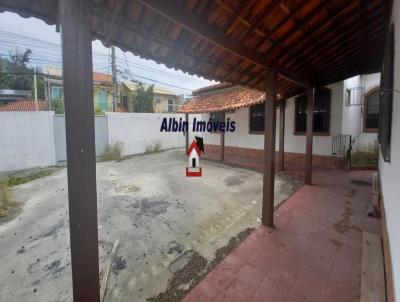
point(98, 54)
point(52, 50)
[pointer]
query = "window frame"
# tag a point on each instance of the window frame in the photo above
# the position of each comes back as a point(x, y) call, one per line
point(319, 133)
point(54, 88)
point(365, 111)
point(170, 105)
point(220, 119)
point(256, 131)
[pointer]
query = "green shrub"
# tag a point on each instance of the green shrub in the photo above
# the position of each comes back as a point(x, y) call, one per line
point(363, 158)
point(14, 180)
point(98, 111)
point(113, 152)
point(152, 148)
point(5, 199)
point(58, 106)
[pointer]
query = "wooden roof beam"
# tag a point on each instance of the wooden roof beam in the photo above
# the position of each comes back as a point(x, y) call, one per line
point(199, 26)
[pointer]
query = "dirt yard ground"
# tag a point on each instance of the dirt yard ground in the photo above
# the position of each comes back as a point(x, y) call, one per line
point(165, 221)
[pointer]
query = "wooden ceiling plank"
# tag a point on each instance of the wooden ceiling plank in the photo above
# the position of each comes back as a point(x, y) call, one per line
point(184, 39)
point(311, 14)
point(240, 11)
point(174, 12)
point(280, 23)
point(337, 22)
point(344, 38)
point(117, 9)
point(356, 45)
point(350, 55)
point(253, 28)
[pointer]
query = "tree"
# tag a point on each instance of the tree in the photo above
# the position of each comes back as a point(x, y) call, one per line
point(58, 106)
point(142, 99)
point(15, 73)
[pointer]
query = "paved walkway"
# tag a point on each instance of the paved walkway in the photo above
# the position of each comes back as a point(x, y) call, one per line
point(313, 254)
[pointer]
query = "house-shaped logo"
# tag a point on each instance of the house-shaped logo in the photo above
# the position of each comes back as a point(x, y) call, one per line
point(193, 169)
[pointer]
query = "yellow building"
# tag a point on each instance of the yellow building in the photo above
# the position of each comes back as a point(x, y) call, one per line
point(102, 89)
point(164, 100)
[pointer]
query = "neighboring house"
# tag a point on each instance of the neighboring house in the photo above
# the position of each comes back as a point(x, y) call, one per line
point(24, 105)
point(348, 107)
point(11, 95)
point(165, 100)
point(102, 88)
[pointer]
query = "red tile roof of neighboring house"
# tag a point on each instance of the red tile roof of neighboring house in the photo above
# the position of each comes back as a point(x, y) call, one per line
point(24, 105)
point(102, 77)
point(227, 99)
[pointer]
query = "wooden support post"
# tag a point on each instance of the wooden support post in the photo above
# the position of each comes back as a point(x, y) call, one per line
point(222, 143)
point(269, 150)
point(187, 132)
point(81, 156)
point(309, 139)
point(282, 135)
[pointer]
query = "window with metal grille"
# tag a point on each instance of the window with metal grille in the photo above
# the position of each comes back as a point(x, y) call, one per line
point(354, 96)
point(257, 117)
point(217, 117)
point(321, 117)
point(386, 95)
point(170, 106)
point(371, 110)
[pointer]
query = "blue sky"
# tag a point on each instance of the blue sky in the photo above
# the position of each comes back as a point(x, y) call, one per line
point(44, 42)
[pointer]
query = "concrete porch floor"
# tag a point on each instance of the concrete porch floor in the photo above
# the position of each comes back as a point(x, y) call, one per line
point(162, 218)
point(312, 254)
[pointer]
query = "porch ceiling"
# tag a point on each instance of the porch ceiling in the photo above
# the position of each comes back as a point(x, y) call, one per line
point(306, 41)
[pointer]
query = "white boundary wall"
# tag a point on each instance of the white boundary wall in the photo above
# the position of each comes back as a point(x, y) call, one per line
point(26, 140)
point(136, 131)
point(390, 172)
point(353, 116)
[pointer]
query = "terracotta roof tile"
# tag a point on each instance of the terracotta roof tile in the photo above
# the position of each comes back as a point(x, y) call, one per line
point(102, 77)
point(223, 101)
point(24, 105)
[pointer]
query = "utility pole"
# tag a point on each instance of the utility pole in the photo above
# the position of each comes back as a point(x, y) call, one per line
point(47, 86)
point(35, 90)
point(114, 79)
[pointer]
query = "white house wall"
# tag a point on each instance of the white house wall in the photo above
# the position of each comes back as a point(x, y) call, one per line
point(390, 172)
point(293, 143)
point(353, 117)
